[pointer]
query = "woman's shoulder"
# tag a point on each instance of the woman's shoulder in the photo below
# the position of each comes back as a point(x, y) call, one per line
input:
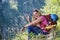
point(42, 16)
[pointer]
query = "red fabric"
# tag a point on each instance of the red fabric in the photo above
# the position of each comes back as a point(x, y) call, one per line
point(43, 24)
point(49, 19)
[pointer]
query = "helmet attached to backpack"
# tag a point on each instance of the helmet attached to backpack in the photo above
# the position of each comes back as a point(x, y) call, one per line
point(51, 18)
point(54, 17)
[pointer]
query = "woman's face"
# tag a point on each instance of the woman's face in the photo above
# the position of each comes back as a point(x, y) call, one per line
point(36, 14)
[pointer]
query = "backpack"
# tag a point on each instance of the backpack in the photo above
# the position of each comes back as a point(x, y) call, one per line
point(51, 18)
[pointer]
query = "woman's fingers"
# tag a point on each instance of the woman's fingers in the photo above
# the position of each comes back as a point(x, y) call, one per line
point(28, 18)
point(21, 30)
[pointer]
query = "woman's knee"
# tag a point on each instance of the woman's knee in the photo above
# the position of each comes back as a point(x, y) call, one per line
point(30, 27)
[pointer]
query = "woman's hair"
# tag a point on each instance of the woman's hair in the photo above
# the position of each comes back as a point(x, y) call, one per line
point(35, 11)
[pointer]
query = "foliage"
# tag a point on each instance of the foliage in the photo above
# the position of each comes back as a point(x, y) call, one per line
point(24, 36)
point(52, 6)
point(14, 13)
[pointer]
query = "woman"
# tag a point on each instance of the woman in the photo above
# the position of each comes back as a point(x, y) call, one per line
point(39, 20)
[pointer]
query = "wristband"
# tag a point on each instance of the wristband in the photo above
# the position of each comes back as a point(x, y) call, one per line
point(23, 27)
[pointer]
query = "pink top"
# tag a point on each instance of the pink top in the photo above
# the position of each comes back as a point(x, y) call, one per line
point(43, 24)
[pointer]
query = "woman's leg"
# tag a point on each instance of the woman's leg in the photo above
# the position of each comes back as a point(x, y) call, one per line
point(35, 30)
point(51, 35)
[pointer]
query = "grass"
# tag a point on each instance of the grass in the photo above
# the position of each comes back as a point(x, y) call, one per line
point(24, 35)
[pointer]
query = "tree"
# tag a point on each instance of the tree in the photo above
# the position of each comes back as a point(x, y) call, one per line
point(52, 6)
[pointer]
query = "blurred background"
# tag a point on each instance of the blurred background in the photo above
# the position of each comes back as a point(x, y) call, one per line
point(13, 14)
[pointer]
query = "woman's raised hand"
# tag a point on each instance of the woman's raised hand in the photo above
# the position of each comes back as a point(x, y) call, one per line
point(28, 18)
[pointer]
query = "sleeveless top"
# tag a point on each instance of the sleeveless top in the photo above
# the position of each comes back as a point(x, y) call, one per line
point(43, 23)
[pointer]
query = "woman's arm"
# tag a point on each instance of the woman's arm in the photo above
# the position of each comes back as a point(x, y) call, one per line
point(28, 19)
point(34, 22)
point(31, 23)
